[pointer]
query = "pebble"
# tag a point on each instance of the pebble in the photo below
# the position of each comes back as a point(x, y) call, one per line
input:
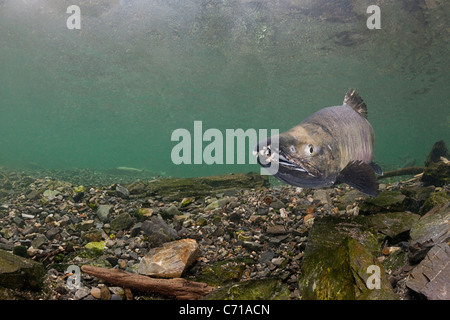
point(269, 227)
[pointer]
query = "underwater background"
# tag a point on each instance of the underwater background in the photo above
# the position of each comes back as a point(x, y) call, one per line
point(111, 94)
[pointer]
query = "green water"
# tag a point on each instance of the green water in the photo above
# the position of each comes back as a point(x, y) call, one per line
point(112, 93)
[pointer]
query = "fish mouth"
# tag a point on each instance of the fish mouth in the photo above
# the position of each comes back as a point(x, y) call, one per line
point(292, 170)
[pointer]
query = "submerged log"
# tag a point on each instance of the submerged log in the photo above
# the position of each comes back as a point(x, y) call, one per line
point(179, 288)
point(178, 188)
point(402, 172)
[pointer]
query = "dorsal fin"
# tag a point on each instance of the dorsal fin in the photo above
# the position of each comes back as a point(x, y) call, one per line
point(353, 100)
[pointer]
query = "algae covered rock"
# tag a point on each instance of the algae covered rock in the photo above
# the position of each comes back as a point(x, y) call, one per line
point(435, 199)
point(386, 201)
point(393, 224)
point(121, 222)
point(436, 174)
point(266, 289)
point(224, 272)
point(338, 257)
point(20, 273)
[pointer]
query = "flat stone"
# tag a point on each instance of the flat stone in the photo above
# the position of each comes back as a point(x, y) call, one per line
point(276, 229)
point(431, 277)
point(170, 260)
point(393, 224)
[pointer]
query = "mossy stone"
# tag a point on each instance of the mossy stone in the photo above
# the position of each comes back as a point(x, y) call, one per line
point(20, 273)
point(96, 247)
point(121, 222)
point(265, 289)
point(386, 201)
point(224, 272)
point(435, 199)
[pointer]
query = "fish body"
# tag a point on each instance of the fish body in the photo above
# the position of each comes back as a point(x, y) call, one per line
point(332, 146)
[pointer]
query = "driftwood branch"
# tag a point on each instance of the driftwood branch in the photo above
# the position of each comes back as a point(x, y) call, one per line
point(179, 288)
point(402, 172)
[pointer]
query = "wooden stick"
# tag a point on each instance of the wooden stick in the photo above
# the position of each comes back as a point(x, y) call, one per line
point(179, 288)
point(402, 172)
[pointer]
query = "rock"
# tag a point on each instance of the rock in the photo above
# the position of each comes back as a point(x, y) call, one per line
point(308, 220)
point(386, 201)
point(416, 197)
point(266, 256)
point(85, 225)
point(94, 236)
point(435, 199)
point(438, 150)
point(337, 256)
point(96, 247)
point(82, 293)
point(136, 229)
point(50, 194)
point(186, 201)
point(266, 289)
point(220, 203)
point(170, 260)
point(322, 195)
point(103, 212)
point(431, 277)
point(393, 224)
point(136, 187)
point(20, 273)
point(38, 241)
point(433, 228)
point(158, 231)
point(104, 293)
point(52, 233)
point(276, 229)
point(170, 212)
point(122, 192)
point(223, 272)
point(277, 204)
point(121, 222)
point(95, 292)
point(33, 194)
point(436, 174)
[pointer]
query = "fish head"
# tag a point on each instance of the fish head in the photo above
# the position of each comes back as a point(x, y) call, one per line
point(297, 160)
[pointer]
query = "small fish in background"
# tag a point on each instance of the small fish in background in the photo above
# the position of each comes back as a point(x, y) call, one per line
point(332, 146)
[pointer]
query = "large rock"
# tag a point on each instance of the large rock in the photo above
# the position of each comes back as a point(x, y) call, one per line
point(433, 228)
point(431, 277)
point(393, 224)
point(337, 260)
point(386, 201)
point(20, 273)
point(170, 260)
point(436, 174)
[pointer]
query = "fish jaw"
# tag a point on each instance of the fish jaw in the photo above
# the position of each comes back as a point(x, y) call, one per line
point(292, 170)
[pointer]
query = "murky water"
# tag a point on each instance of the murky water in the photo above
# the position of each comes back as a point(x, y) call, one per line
point(111, 93)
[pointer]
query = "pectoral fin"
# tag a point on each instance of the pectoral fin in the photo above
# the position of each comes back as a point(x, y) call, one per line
point(361, 176)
